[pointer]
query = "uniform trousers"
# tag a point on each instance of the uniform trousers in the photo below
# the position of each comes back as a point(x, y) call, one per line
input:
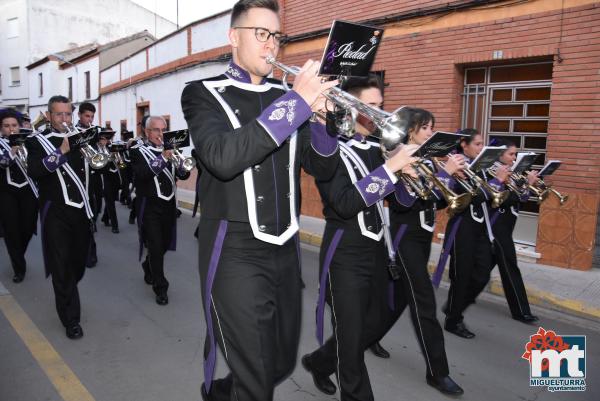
point(356, 293)
point(471, 262)
point(415, 290)
point(255, 308)
point(158, 230)
point(66, 233)
point(506, 259)
point(111, 192)
point(18, 217)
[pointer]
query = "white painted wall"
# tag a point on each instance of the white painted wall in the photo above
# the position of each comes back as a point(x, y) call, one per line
point(134, 65)
point(163, 93)
point(168, 50)
point(110, 76)
point(210, 35)
point(13, 52)
point(52, 26)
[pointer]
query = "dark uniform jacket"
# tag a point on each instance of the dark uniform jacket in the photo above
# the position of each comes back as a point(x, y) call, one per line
point(251, 141)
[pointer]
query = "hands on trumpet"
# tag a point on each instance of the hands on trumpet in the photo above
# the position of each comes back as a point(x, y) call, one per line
point(310, 86)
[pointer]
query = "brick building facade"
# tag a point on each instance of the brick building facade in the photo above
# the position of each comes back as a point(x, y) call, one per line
point(528, 70)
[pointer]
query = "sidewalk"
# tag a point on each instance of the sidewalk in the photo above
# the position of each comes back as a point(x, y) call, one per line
point(565, 290)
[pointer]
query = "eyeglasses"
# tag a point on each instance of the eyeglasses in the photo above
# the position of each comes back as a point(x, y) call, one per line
point(158, 130)
point(263, 34)
point(63, 114)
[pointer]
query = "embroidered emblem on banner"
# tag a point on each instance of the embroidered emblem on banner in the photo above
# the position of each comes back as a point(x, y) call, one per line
point(155, 163)
point(52, 159)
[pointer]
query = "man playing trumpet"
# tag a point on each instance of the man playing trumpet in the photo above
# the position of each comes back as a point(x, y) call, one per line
point(154, 176)
point(18, 197)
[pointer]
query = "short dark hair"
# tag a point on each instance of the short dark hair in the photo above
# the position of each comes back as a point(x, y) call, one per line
point(10, 113)
point(355, 85)
point(57, 99)
point(418, 118)
point(87, 106)
point(468, 134)
point(243, 6)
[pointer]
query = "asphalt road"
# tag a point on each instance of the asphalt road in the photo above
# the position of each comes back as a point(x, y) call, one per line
point(136, 350)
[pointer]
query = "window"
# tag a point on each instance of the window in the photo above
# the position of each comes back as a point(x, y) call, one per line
point(108, 125)
point(168, 120)
point(87, 85)
point(12, 28)
point(15, 76)
point(511, 102)
point(70, 88)
point(123, 125)
point(40, 84)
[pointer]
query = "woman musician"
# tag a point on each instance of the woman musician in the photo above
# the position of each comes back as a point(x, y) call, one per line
point(503, 222)
point(412, 224)
point(468, 240)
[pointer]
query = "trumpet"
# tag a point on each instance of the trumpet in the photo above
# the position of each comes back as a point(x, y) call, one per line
point(393, 126)
point(178, 159)
point(511, 183)
point(40, 121)
point(116, 156)
point(539, 194)
point(541, 185)
point(456, 202)
point(186, 163)
point(475, 183)
point(95, 159)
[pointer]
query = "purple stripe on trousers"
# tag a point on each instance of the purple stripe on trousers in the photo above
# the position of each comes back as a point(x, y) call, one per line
point(323, 282)
point(396, 244)
point(42, 222)
point(173, 244)
point(494, 217)
point(448, 242)
point(209, 361)
point(140, 222)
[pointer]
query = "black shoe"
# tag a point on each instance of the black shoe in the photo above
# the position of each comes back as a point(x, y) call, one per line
point(445, 385)
point(162, 299)
point(527, 318)
point(17, 278)
point(203, 393)
point(92, 262)
point(379, 351)
point(106, 221)
point(322, 382)
point(147, 273)
point(460, 330)
point(115, 230)
point(178, 213)
point(131, 218)
point(74, 331)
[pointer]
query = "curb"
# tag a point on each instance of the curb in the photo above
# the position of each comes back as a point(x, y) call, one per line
point(535, 296)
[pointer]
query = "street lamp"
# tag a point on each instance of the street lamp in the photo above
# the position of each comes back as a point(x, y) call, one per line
point(62, 58)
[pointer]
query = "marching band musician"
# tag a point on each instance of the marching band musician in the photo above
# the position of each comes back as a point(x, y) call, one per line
point(251, 139)
point(503, 221)
point(86, 113)
point(111, 179)
point(412, 222)
point(354, 255)
point(154, 178)
point(65, 211)
point(468, 241)
point(18, 197)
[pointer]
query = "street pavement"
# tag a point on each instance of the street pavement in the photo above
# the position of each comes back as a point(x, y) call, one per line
point(136, 350)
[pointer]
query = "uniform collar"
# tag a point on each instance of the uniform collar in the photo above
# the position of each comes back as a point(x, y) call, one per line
point(237, 73)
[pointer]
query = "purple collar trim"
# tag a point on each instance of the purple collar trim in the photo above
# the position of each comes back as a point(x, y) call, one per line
point(237, 73)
